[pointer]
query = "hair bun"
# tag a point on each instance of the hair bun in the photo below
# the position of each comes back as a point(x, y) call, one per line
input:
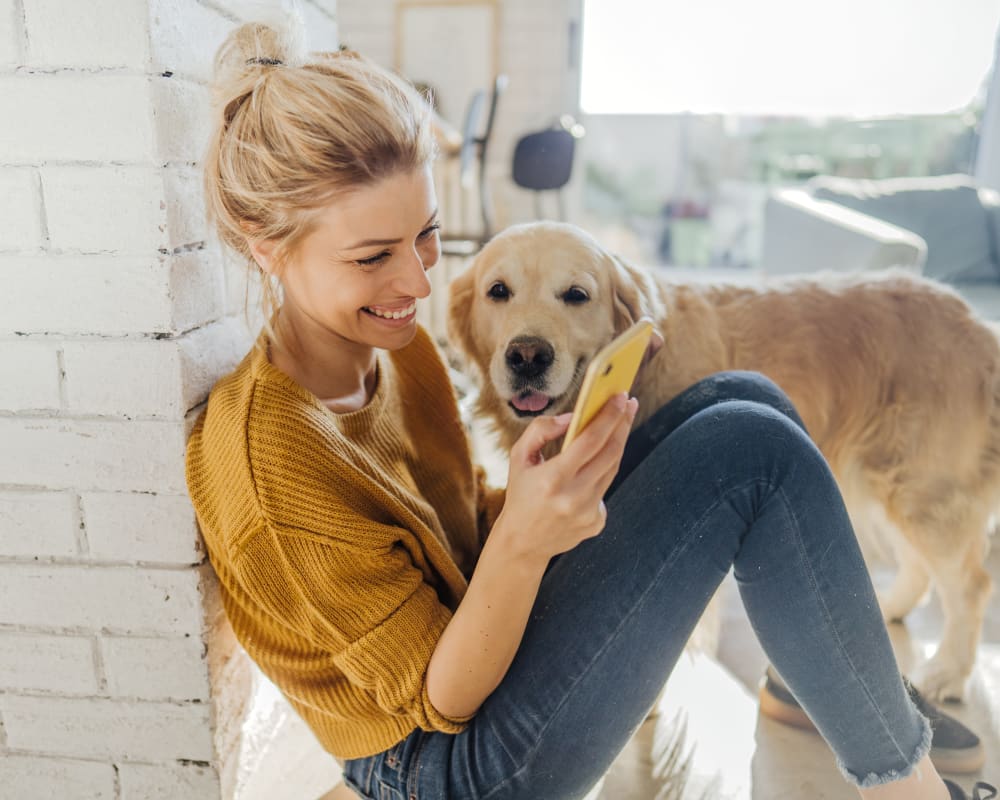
point(258, 45)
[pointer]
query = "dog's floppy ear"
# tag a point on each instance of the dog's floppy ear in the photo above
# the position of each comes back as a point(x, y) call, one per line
point(460, 295)
point(635, 294)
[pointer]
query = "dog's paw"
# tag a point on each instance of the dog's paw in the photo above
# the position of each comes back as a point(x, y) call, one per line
point(941, 680)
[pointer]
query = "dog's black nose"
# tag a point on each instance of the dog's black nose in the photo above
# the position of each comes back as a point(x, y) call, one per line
point(529, 356)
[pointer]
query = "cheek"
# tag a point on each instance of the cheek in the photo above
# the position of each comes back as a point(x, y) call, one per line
point(430, 252)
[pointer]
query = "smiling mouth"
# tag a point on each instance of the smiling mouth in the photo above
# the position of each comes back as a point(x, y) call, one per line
point(397, 314)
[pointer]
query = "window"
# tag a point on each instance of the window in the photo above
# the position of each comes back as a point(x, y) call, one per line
point(850, 58)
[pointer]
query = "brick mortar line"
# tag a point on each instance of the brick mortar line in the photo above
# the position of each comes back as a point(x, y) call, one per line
point(63, 388)
point(97, 653)
point(82, 543)
point(22, 16)
point(84, 633)
point(41, 415)
point(39, 694)
point(173, 762)
point(58, 562)
point(136, 336)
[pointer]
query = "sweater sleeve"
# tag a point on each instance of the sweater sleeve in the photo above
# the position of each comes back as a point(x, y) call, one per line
point(372, 610)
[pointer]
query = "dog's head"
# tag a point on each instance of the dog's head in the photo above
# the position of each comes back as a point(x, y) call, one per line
point(533, 309)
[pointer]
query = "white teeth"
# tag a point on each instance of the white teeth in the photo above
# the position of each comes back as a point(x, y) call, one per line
point(393, 314)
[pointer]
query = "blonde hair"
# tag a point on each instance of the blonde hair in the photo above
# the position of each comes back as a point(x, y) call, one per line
point(293, 131)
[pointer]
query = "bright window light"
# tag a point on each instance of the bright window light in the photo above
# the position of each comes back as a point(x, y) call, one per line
point(852, 58)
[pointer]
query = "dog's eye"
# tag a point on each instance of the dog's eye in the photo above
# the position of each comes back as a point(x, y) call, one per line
point(575, 296)
point(499, 291)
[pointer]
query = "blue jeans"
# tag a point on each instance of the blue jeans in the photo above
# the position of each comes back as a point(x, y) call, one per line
point(723, 476)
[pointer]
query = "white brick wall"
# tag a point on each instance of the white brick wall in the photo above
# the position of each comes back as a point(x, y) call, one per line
point(119, 678)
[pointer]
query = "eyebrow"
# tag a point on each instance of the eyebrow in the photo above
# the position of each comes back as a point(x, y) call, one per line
point(385, 242)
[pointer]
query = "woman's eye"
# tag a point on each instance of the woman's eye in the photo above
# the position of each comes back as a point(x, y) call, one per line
point(373, 260)
point(498, 291)
point(575, 296)
point(427, 233)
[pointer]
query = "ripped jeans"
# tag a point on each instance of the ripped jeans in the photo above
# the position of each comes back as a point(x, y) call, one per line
point(722, 477)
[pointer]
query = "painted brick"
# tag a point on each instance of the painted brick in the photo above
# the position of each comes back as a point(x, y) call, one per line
point(168, 782)
point(131, 526)
point(110, 209)
point(29, 778)
point(131, 456)
point(84, 294)
point(185, 36)
point(197, 290)
point(156, 669)
point(185, 201)
point(321, 31)
point(29, 376)
point(105, 728)
point(42, 524)
point(20, 208)
point(124, 378)
point(182, 118)
point(34, 662)
point(11, 34)
point(208, 353)
point(328, 7)
point(64, 34)
point(119, 599)
point(108, 115)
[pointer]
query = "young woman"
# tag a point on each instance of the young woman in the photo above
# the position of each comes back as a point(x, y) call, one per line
point(446, 640)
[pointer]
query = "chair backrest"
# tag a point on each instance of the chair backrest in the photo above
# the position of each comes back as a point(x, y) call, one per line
point(544, 160)
point(470, 130)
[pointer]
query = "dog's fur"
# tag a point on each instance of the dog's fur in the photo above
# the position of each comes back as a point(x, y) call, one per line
point(897, 381)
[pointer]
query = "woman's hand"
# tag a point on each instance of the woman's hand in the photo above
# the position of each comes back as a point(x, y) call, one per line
point(552, 505)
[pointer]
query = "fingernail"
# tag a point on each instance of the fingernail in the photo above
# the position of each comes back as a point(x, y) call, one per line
point(563, 419)
point(633, 407)
point(620, 401)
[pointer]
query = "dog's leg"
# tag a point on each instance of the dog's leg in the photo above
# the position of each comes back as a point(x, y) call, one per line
point(910, 584)
point(964, 587)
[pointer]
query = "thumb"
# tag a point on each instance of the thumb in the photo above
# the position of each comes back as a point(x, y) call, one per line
point(540, 432)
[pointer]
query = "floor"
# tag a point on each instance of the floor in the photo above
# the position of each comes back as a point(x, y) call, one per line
point(704, 742)
point(708, 720)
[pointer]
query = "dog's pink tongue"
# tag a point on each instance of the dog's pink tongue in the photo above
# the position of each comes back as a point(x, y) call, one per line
point(530, 401)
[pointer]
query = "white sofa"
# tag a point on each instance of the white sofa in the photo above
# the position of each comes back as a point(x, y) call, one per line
point(944, 227)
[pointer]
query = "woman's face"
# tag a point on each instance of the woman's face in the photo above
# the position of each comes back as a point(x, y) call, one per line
point(359, 274)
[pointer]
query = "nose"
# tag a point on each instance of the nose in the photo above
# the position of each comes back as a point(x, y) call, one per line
point(529, 356)
point(413, 277)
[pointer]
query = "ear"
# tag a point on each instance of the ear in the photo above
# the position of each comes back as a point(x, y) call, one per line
point(460, 297)
point(262, 251)
point(635, 295)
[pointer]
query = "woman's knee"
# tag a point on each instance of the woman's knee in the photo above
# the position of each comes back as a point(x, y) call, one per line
point(753, 387)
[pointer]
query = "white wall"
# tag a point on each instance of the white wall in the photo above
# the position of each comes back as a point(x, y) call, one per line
point(534, 52)
point(115, 318)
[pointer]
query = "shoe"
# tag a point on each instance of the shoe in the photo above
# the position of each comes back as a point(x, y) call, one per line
point(957, 792)
point(954, 748)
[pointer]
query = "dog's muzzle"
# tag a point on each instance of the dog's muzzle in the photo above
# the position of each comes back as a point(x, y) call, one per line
point(529, 356)
point(527, 359)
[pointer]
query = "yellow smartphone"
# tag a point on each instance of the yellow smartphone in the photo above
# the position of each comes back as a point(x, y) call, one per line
point(611, 372)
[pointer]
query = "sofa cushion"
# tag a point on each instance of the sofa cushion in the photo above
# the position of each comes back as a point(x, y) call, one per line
point(983, 297)
point(944, 210)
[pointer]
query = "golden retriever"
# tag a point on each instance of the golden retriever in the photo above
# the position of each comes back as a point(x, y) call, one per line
point(895, 378)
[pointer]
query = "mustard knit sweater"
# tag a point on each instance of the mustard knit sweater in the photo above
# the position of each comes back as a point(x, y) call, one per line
point(342, 542)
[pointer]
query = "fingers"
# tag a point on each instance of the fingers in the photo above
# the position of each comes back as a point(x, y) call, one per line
point(601, 470)
point(539, 432)
point(594, 439)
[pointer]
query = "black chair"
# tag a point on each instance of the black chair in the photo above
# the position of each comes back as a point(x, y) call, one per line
point(474, 152)
point(543, 161)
